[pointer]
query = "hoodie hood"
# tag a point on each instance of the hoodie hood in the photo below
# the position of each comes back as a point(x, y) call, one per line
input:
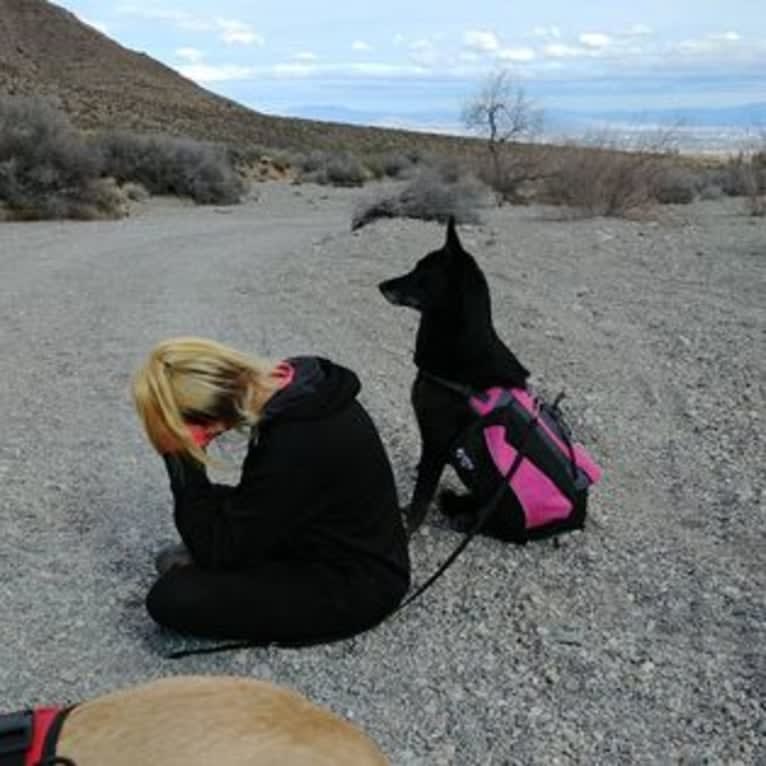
point(319, 387)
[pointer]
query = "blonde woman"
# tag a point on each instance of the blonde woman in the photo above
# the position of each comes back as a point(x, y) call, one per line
point(309, 546)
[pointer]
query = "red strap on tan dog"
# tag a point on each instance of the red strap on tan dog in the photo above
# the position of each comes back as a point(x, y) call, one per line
point(43, 719)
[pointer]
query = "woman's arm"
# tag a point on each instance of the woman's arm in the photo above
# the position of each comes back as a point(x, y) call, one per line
point(224, 527)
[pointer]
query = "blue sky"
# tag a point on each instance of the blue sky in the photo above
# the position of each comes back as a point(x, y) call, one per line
point(409, 57)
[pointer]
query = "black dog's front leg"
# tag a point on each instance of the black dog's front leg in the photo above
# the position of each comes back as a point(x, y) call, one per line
point(430, 470)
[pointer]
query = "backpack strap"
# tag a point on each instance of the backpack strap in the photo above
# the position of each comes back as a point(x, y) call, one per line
point(554, 410)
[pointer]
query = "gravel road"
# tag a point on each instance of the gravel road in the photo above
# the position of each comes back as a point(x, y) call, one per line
point(641, 640)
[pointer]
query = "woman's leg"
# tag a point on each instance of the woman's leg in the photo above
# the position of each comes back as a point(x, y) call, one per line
point(281, 601)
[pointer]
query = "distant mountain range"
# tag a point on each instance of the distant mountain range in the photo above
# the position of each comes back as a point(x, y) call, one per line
point(743, 116)
point(719, 124)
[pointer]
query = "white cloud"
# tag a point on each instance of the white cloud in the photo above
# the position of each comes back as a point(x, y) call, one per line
point(152, 13)
point(560, 51)
point(296, 69)
point(484, 41)
point(639, 30)
point(547, 32)
point(97, 25)
point(385, 70)
point(235, 32)
point(709, 45)
point(181, 19)
point(204, 73)
point(516, 54)
point(191, 24)
point(192, 55)
point(360, 46)
point(423, 52)
point(357, 69)
point(399, 39)
point(595, 39)
point(305, 56)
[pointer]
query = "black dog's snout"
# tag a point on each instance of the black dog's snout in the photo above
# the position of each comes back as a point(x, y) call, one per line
point(389, 292)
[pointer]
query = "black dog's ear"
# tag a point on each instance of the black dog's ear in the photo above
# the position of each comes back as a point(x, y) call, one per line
point(453, 241)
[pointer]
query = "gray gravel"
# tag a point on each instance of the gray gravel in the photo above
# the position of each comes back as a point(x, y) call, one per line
point(642, 640)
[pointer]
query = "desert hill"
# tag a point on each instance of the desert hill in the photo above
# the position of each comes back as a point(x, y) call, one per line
point(46, 50)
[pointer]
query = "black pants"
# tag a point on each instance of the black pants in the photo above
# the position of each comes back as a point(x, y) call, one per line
point(278, 602)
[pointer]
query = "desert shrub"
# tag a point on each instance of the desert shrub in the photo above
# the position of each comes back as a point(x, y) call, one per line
point(167, 165)
point(345, 170)
point(46, 168)
point(603, 181)
point(393, 164)
point(757, 195)
point(311, 162)
point(399, 164)
point(515, 173)
point(708, 189)
point(253, 156)
point(744, 176)
point(754, 187)
point(373, 165)
point(135, 192)
point(731, 177)
point(332, 169)
point(429, 197)
point(741, 175)
point(676, 186)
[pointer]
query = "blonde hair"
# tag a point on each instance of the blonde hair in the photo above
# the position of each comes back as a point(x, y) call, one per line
point(200, 381)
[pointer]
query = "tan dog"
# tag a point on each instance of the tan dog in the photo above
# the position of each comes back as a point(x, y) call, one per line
point(211, 721)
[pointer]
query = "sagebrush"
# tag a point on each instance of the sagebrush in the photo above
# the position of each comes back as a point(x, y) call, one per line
point(47, 170)
point(433, 195)
point(332, 169)
point(172, 166)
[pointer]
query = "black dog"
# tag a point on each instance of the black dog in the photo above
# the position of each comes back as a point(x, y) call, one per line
point(456, 344)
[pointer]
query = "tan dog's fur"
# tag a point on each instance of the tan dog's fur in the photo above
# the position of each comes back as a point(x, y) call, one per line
point(211, 721)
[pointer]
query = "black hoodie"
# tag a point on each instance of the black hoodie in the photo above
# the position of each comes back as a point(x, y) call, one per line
point(316, 485)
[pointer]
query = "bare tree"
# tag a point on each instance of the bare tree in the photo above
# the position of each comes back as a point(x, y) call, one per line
point(502, 113)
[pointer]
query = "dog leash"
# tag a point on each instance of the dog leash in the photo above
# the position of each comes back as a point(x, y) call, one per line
point(481, 518)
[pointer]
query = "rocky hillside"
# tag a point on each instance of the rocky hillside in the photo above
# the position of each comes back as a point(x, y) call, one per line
point(46, 50)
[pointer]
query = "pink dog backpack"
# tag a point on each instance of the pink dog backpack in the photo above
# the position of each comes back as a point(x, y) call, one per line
point(521, 451)
point(518, 458)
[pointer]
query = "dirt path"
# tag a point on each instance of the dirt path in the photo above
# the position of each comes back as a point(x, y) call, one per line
point(639, 641)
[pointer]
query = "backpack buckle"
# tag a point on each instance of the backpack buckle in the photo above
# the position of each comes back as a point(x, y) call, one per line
point(15, 732)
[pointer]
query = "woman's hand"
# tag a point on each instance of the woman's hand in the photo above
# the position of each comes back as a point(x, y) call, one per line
point(201, 436)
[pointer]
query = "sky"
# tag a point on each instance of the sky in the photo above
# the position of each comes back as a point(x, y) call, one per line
point(423, 57)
